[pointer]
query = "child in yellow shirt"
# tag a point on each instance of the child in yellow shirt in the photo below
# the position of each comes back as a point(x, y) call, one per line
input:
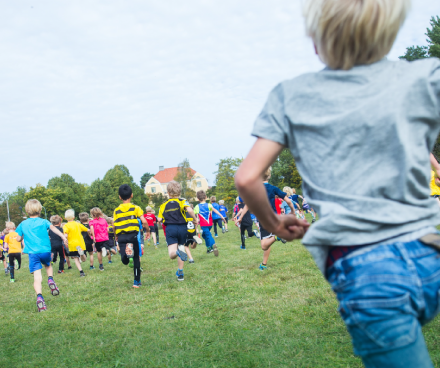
point(14, 249)
point(75, 239)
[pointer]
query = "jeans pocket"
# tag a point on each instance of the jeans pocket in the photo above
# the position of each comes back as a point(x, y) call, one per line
point(379, 325)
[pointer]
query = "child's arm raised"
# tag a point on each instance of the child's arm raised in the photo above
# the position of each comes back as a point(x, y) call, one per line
point(59, 233)
point(248, 180)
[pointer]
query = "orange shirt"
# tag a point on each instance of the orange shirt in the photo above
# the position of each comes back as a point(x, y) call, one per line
point(14, 245)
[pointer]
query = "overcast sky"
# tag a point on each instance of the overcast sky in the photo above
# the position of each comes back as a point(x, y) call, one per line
point(86, 85)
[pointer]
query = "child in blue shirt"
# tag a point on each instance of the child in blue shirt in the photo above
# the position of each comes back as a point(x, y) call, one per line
point(34, 232)
point(223, 210)
point(216, 219)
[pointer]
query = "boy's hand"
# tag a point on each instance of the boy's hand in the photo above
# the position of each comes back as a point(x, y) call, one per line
point(290, 228)
point(65, 241)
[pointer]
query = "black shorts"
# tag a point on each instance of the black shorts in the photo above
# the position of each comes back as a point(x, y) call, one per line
point(264, 234)
point(74, 254)
point(190, 238)
point(102, 244)
point(111, 243)
point(176, 233)
point(152, 229)
point(2, 256)
point(89, 248)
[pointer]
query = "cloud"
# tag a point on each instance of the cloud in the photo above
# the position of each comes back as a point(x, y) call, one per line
point(90, 84)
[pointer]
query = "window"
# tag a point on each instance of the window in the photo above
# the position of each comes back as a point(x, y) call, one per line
point(153, 190)
point(199, 184)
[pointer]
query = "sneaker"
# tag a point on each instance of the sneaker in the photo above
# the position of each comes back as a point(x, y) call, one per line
point(110, 262)
point(92, 267)
point(284, 241)
point(129, 250)
point(216, 235)
point(61, 271)
point(242, 247)
point(257, 234)
point(6, 272)
point(130, 262)
point(69, 268)
point(227, 230)
point(12, 280)
point(136, 284)
point(197, 239)
point(179, 275)
point(81, 254)
point(215, 250)
point(155, 247)
point(82, 274)
point(191, 261)
point(314, 220)
point(181, 253)
point(41, 305)
point(209, 250)
point(53, 287)
point(157, 243)
point(223, 230)
point(101, 268)
point(262, 267)
point(104, 251)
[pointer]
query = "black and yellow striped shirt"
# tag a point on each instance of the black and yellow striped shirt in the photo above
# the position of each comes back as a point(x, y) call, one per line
point(125, 218)
point(173, 211)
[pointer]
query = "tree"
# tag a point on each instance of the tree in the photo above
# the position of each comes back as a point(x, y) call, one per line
point(211, 192)
point(145, 178)
point(285, 173)
point(157, 199)
point(433, 50)
point(74, 193)
point(53, 200)
point(224, 180)
point(184, 176)
point(101, 194)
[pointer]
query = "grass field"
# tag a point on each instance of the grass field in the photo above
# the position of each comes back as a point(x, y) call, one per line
point(226, 313)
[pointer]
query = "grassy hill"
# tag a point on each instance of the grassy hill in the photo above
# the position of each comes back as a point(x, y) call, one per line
point(226, 313)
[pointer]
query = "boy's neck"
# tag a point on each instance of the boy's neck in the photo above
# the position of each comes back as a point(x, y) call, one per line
point(204, 201)
point(70, 220)
point(265, 181)
point(35, 216)
point(83, 222)
point(172, 197)
point(126, 200)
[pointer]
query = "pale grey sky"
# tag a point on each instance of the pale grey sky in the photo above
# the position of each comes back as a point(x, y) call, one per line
point(85, 85)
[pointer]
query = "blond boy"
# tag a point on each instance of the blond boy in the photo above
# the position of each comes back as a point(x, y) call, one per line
point(75, 239)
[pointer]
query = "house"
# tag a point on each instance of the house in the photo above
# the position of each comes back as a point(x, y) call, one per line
point(158, 183)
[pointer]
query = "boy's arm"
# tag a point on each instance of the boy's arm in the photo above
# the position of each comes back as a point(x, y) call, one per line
point(145, 222)
point(289, 202)
point(218, 213)
point(248, 180)
point(193, 215)
point(92, 233)
point(59, 233)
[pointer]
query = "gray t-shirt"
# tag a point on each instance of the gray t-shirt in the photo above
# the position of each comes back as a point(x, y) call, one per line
point(361, 141)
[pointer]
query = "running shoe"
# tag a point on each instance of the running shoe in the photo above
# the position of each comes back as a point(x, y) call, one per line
point(216, 235)
point(262, 267)
point(53, 287)
point(215, 250)
point(82, 274)
point(223, 229)
point(181, 253)
point(191, 261)
point(6, 272)
point(92, 267)
point(242, 247)
point(41, 305)
point(104, 251)
point(197, 239)
point(15, 264)
point(129, 250)
point(179, 275)
point(130, 262)
point(209, 250)
point(61, 271)
point(157, 243)
point(81, 254)
point(314, 220)
point(284, 241)
point(110, 262)
point(136, 284)
point(69, 268)
point(155, 247)
point(12, 280)
point(257, 234)
point(101, 268)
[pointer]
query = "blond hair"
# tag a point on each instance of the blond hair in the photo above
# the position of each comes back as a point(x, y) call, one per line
point(353, 32)
point(213, 199)
point(148, 209)
point(69, 215)
point(201, 195)
point(267, 174)
point(109, 220)
point(83, 217)
point(33, 207)
point(55, 220)
point(221, 202)
point(288, 191)
point(10, 225)
point(96, 212)
point(174, 188)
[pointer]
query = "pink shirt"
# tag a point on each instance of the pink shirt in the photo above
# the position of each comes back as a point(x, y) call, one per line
point(100, 228)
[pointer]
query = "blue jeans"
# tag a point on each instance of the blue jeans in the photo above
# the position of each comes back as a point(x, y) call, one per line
point(385, 296)
point(206, 234)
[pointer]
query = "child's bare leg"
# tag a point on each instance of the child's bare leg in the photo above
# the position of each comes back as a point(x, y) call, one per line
point(265, 245)
point(226, 226)
point(100, 257)
point(172, 251)
point(4, 264)
point(49, 271)
point(91, 258)
point(37, 281)
point(68, 262)
point(77, 263)
point(154, 238)
point(189, 253)
point(109, 256)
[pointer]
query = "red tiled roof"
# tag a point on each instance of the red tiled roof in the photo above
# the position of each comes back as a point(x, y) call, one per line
point(166, 175)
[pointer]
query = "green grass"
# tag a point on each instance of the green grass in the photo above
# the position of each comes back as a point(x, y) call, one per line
point(226, 313)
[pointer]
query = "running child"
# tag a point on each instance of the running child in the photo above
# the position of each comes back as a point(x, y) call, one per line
point(88, 241)
point(14, 249)
point(192, 238)
point(99, 230)
point(77, 246)
point(156, 228)
point(34, 232)
point(372, 123)
point(245, 222)
point(3, 256)
point(111, 239)
point(204, 212)
point(223, 211)
point(172, 213)
point(151, 220)
point(56, 243)
point(307, 209)
point(126, 229)
point(216, 219)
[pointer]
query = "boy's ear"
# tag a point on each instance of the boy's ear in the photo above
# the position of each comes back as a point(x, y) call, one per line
point(120, 198)
point(131, 195)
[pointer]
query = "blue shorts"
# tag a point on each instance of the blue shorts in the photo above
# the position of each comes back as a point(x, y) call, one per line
point(176, 233)
point(306, 207)
point(37, 259)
